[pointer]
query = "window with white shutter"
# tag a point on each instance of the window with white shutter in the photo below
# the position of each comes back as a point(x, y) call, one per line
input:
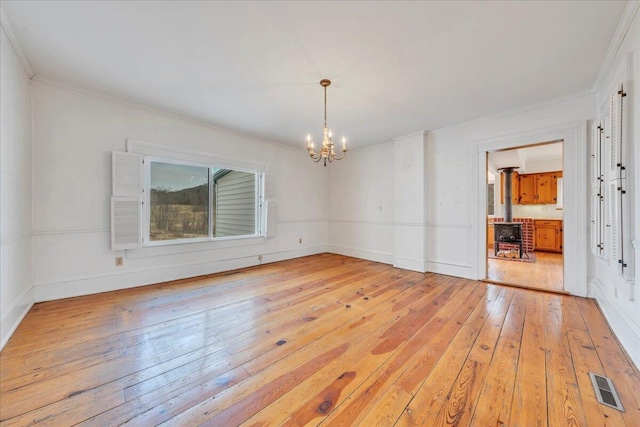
point(164, 201)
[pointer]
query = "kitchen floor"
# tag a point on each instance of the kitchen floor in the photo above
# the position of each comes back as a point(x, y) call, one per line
point(546, 273)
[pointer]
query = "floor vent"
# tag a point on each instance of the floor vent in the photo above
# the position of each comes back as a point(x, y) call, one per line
point(605, 391)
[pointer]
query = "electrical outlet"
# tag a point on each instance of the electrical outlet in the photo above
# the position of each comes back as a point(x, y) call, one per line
point(259, 257)
point(119, 261)
point(300, 240)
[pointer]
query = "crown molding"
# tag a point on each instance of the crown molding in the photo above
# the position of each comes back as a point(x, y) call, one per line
point(422, 133)
point(623, 26)
point(6, 27)
point(141, 106)
point(519, 110)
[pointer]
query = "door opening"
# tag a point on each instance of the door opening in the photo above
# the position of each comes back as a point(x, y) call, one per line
point(524, 219)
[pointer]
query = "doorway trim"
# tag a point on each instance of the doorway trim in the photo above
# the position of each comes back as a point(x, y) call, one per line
point(574, 164)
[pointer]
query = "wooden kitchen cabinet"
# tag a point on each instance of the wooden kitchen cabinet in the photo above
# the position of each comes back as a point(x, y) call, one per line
point(539, 188)
point(515, 188)
point(548, 235)
point(528, 189)
point(547, 188)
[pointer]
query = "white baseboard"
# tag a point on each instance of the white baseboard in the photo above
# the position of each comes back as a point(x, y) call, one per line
point(418, 265)
point(79, 286)
point(623, 327)
point(377, 256)
point(451, 268)
point(11, 317)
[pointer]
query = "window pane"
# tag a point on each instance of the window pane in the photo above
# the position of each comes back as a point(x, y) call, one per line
point(234, 203)
point(490, 199)
point(179, 201)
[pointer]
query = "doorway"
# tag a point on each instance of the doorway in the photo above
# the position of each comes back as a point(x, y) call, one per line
point(574, 169)
point(524, 220)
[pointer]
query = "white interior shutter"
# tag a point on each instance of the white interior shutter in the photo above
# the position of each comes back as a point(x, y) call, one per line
point(614, 222)
point(269, 205)
point(126, 174)
point(625, 151)
point(595, 208)
point(595, 158)
point(126, 219)
point(597, 220)
point(126, 203)
point(626, 231)
point(627, 224)
point(271, 215)
point(614, 140)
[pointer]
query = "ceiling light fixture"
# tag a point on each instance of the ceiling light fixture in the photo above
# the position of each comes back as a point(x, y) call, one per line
point(327, 152)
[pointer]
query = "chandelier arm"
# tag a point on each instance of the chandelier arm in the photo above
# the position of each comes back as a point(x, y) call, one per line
point(344, 153)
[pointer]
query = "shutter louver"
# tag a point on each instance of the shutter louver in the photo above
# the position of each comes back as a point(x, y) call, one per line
point(614, 140)
point(126, 203)
point(125, 223)
point(127, 174)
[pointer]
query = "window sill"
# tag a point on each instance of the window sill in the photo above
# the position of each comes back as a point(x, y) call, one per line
point(187, 247)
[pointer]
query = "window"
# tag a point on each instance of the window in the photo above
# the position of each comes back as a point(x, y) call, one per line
point(178, 201)
point(490, 199)
point(234, 207)
point(198, 202)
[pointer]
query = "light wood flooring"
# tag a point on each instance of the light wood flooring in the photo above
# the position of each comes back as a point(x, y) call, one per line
point(547, 273)
point(321, 340)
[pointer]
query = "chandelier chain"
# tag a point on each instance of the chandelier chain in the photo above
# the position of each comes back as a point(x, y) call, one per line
point(325, 107)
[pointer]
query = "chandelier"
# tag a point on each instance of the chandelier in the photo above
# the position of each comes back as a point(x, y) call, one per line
point(327, 151)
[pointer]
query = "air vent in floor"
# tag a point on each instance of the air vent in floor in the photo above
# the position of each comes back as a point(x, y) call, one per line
point(605, 391)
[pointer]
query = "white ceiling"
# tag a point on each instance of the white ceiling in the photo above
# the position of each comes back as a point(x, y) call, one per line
point(254, 67)
point(532, 159)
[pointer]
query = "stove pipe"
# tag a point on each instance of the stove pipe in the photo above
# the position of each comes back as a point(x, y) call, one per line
point(508, 208)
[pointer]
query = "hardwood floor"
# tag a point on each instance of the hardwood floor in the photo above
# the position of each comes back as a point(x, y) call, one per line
point(547, 273)
point(321, 340)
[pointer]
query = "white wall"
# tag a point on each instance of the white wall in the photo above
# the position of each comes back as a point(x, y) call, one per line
point(453, 189)
point(75, 133)
point(611, 291)
point(410, 202)
point(361, 217)
point(537, 211)
point(16, 290)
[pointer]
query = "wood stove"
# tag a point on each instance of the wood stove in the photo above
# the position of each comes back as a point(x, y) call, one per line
point(508, 231)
